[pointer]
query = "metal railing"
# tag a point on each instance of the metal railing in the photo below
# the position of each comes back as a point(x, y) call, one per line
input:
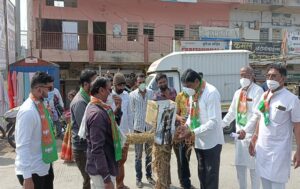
point(138, 43)
point(65, 41)
point(108, 42)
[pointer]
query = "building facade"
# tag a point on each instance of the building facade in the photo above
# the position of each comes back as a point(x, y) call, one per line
point(129, 35)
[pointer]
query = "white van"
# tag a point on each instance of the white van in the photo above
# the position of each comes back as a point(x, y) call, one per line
point(220, 68)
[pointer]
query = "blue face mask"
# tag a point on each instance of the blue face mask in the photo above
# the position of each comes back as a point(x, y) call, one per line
point(50, 96)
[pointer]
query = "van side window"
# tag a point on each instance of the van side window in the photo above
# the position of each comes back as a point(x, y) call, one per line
point(171, 82)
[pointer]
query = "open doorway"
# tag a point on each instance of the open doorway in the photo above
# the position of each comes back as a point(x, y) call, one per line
point(99, 29)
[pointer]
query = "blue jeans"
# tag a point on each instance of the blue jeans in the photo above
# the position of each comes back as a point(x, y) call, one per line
point(138, 160)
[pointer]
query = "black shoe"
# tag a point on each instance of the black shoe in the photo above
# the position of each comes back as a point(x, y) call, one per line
point(151, 181)
point(139, 184)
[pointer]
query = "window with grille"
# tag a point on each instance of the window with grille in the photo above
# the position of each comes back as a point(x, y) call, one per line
point(62, 3)
point(149, 30)
point(194, 32)
point(179, 32)
point(132, 32)
point(264, 34)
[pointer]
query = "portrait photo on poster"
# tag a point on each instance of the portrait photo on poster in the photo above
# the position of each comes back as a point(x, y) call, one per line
point(165, 122)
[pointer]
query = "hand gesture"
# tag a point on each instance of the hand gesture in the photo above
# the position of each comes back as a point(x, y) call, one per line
point(109, 185)
point(181, 120)
point(184, 132)
point(242, 134)
point(118, 101)
point(296, 158)
point(28, 184)
point(252, 145)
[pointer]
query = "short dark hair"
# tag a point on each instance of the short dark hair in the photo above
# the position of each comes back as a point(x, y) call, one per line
point(140, 75)
point(99, 82)
point(279, 67)
point(86, 76)
point(160, 76)
point(40, 78)
point(190, 75)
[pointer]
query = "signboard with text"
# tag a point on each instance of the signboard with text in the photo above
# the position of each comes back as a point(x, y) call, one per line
point(293, 42)
point(202, 45)
point(261, 50)
point(221, 33)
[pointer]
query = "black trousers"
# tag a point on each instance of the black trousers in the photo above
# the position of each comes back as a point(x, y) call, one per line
point(40, 182)
point(80, 159)
point(209, 166)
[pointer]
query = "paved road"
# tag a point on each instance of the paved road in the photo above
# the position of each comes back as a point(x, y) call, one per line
point(67, 175)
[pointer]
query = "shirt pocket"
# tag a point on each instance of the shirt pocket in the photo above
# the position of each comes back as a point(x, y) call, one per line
point(278, 116)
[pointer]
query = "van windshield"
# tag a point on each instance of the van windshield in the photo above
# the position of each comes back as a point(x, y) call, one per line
point(148, 79)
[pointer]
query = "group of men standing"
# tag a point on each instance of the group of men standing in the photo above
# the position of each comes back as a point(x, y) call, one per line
point(265, 122)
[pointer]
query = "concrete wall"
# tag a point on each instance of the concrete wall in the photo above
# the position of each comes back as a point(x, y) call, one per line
point(243, 17)
point(164, 16)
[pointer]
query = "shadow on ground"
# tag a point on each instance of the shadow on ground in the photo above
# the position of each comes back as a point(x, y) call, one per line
point(5, 147)
point(5, 161)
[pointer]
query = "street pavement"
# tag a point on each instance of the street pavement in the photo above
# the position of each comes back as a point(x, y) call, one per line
point(67, 176)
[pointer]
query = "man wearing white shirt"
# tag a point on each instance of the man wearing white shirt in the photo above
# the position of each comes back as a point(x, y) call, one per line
point(138, 103)
point(205, 123)
point(35, 142)
point(126, 124)
point(278, 114)
point(241, 109)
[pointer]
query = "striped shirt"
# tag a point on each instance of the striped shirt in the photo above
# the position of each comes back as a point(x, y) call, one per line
point(138, 105)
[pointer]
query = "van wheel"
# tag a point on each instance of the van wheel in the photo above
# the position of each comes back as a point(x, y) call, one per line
point(229, 129)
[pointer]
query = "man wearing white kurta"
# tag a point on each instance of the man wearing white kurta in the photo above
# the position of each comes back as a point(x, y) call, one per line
point(278, 114)
point(243, 160)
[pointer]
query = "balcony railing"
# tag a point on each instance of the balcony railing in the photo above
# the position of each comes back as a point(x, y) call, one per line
point(65, 41)
point(138, 43)
point(111, 43)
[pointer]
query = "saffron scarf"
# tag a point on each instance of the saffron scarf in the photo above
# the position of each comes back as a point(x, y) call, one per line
point(49, 151)
point(85, 96)
point(195, 110)
point(242, 108)
point(116, 135)
point(264, 107)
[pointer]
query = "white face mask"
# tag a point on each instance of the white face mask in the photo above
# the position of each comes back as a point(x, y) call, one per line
point(245, 82)
point(142, 87)
point(272, 84)
point(188, 91)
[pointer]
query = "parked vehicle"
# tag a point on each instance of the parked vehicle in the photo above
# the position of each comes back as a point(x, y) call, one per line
point(2, 132)
point(220, 68)
point(10, 118)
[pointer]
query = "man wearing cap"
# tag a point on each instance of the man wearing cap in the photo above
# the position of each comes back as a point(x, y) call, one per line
point(126, 122)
